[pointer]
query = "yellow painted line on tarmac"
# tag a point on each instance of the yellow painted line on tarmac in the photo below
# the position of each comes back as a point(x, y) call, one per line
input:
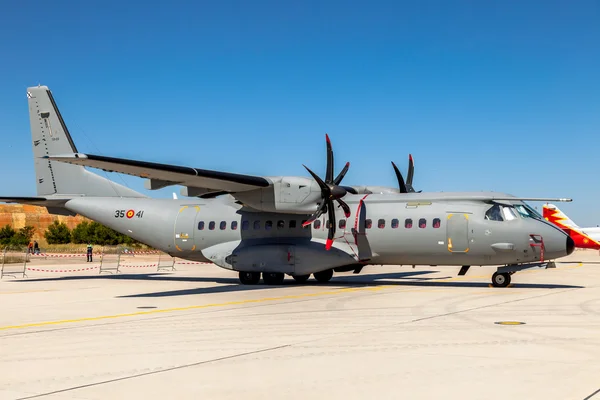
point(167, 310)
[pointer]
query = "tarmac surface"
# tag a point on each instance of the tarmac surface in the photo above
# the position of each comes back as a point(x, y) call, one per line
point(68, 332)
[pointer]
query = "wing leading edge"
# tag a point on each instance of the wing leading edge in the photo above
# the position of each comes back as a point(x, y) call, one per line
point(172, 174)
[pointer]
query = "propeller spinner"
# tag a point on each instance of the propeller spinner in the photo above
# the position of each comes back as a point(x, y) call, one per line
point(330, 191)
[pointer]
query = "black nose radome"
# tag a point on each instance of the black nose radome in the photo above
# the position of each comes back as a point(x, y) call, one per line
point(570, 245)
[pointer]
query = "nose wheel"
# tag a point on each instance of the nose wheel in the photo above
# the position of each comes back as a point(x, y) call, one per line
point(501, 279)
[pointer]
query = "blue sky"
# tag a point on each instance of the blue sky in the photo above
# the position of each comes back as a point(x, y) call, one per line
point(500, 96)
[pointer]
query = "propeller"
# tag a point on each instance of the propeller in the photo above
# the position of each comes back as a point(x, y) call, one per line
point(406, 187)
point(330, 191)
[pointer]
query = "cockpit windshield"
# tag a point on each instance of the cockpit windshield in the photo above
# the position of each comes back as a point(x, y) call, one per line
point(501, 213)
point(527, 212)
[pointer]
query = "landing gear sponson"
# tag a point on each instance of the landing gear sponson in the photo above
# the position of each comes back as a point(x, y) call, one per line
point(277, 278)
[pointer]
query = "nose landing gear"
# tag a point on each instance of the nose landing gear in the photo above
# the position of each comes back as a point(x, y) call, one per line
point(501, 279)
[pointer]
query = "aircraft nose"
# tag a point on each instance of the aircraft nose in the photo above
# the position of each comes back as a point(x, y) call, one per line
point(570, 245)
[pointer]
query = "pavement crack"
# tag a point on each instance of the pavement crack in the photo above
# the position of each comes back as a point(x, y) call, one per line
point(592, 395)
point(155, 372)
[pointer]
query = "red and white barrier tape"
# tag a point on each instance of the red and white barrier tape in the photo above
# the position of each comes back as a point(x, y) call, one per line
point(96, 253)
point(190, 262)
point(137, 266)
point(61, 270)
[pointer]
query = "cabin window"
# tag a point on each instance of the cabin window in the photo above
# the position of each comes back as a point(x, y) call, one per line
point(223, 225)
point(368, 223)
point(201, 225)
point(317, 224)
point(436, 223)
point(292, 223)
point(256, 225)
point(381, 223)
point(211, 225)
point(395, 223)
point(234, 225)
point(422, 223)
point(342, 224)
point(408, 223)
point(245, 225)
point(280, 224)
point(268, 225)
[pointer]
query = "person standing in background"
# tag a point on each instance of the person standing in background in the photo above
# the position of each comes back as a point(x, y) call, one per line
point(89, 252)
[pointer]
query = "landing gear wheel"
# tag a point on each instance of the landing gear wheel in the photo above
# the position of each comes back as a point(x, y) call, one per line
point(301, 278)
point(249, 278)
point(501, 279)
point(273, 278)
point(324, 276)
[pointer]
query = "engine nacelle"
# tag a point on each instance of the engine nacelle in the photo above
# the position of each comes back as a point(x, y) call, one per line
point(289, 194)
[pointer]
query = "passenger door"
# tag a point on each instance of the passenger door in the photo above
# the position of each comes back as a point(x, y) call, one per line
point(185, 225)
point(457, 232)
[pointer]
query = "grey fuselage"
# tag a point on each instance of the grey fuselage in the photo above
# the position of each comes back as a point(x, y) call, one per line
point(221, 231)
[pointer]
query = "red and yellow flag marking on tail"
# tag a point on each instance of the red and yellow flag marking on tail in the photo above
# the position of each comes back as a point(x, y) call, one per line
point(581, 240)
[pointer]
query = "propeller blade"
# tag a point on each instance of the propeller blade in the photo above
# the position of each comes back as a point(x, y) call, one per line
point(316, 215)
point(411, 170)
point(341, 175)
point(401, 183)
point(331, 227)
point(329, 172)
point(324, 188)
point(344, 206)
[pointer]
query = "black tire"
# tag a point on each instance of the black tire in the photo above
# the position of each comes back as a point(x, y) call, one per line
point(301, 278)
point(501, 279)
point(249, 278)
point(273, 278)
point(323, 276)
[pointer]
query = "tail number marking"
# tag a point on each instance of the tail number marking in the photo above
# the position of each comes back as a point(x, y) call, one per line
point(128, 214)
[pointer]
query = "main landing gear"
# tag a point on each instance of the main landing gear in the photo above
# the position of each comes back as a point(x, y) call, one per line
point(277, 278)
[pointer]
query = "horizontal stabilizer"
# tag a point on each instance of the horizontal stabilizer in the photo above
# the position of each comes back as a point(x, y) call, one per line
point(54, 205)
point(186, 176)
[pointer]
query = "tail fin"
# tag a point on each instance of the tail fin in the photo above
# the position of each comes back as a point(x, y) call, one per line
point(582, 239)
point(50, 136)
point(553, 214)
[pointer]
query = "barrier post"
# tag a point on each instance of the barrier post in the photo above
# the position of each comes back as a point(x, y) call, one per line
point(109, 268)
point(168, 267)
point(3, 258)
point(2, 274)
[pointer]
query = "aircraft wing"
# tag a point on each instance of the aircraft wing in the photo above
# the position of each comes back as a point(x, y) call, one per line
point(168, 174)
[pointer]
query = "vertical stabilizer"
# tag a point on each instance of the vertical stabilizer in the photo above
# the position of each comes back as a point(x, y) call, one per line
point(50, 136)
point(553, 214)
point(585, 239)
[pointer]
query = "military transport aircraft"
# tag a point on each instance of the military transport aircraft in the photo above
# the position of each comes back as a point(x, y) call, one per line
point(277, 225)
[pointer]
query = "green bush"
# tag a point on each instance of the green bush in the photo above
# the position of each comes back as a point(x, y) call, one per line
point(58, 233)
point(96, 233)
point(10, 237)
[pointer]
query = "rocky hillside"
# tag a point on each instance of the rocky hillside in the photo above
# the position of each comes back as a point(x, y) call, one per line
point(18, 216)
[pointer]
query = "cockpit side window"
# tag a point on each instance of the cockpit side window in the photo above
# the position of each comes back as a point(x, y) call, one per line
point(501, 213)
point(527, 212)
point(494, 213)
point(509, 213)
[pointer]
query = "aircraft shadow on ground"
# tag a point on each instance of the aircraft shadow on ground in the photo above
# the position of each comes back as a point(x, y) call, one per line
point(232, 284)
